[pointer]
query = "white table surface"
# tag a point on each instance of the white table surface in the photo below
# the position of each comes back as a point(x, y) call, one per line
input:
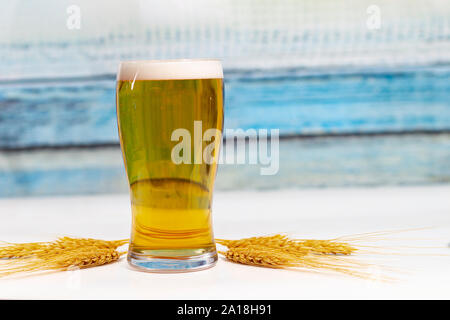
point(325, 213)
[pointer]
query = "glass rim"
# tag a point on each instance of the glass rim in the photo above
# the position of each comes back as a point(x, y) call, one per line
point(150, 61)
point(170, 69)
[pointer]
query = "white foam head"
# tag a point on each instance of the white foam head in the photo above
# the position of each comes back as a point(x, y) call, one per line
point(170, 69)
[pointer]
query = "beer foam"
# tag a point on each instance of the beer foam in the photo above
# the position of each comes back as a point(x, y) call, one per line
point(170, 69)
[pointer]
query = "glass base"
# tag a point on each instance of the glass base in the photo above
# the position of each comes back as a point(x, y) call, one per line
point(158, 263)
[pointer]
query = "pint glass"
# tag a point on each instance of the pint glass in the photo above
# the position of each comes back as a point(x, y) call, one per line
point(170, 119)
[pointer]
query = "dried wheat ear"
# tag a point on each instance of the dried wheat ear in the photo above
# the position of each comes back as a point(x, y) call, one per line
point(276, 251)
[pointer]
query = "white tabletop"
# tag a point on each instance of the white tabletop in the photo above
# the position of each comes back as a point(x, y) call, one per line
point(325, 213)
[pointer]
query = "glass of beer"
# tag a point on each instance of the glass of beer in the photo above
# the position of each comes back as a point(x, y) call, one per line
point(170, 119)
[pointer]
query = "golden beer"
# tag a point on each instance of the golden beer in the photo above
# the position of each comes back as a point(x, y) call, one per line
point(171, 201)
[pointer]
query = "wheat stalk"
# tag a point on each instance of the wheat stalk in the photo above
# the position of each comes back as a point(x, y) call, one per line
point(275, 251)
point(263, 256)
point(260, 256)
point(68, 260)
point(19, 250)
point(294, 246)
point(23, 250)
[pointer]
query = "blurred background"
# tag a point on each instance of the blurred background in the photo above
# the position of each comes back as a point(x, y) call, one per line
point(360, 90)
